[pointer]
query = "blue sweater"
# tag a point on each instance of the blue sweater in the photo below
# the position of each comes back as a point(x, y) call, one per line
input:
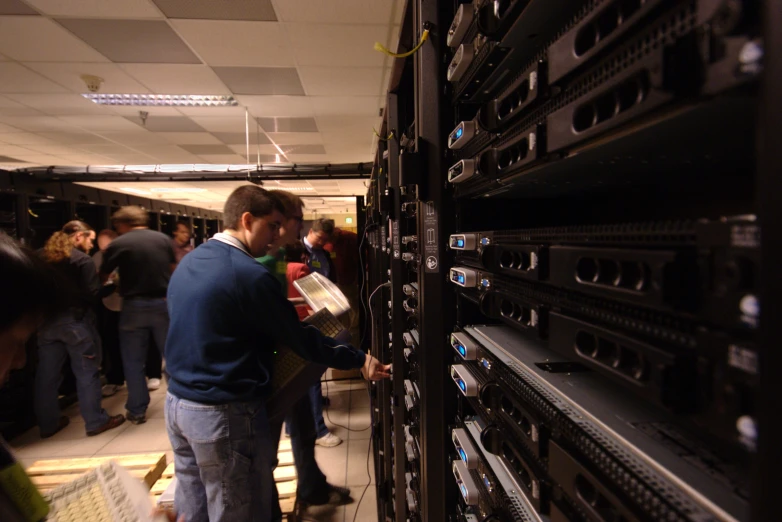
point(228, 314)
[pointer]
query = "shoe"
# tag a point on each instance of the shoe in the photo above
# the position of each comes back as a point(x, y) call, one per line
point(61, 424)
point(136, 419)
point(110, 389)
point(113, 422)
point(334, 496)
point(328, 441)
point(153, 384)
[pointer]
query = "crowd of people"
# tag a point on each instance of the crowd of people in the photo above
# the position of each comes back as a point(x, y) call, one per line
point(215, 314)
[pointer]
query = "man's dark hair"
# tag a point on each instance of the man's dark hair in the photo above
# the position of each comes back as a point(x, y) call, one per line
point(324, 225)
point(294, 252)
point(252, 199)
point(182, 223)
point(29, 285)
point(131, 215)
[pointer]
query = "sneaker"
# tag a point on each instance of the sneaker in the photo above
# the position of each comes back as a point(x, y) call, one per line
point(113, 422)
point(334, 496)
point(328, 441)
point(61, 424)
point(153, 384)
point(110, 389)
point(136, 419)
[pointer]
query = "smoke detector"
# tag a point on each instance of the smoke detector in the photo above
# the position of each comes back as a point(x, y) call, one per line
point(93, 82)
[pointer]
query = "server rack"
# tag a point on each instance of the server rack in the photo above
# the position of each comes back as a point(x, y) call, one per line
point(575, 197)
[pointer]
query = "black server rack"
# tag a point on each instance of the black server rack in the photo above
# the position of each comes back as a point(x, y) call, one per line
point(565, 265)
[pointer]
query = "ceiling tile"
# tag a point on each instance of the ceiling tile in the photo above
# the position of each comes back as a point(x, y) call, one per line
point(10, 107)
point(207, 149)
point(116, 81)
point(97, 8)
point(288, 124)
point(133, 110)
point(341, 81)
point(225, 159)
point(336, 45)
point(261, 80)
point(239, 138)
point(331, 12)
point(177, 79)
point(8, 129)
point(347, 105)
point(166, 123)
point(228, 10)
point(25, 138)
point(303, 149)
point(73, 138)
point(308, 158)
point(295, 138)
point(60, 104)
point(348, 124)
point(293, 106)
point(106, 149)
point(133, 138)
point(131, 159)
point(84, 159)
point(254, 147)
point(13, 150)
point(213, 111)
point(222, 124)
point(132, 41)
point(36, 123)
point(38, 39)
point(7, 159)
point(15, 78)
point(53, 150)
point(40, 159)
point(16, 7)
point(189, 138)
point(170, 153)
point(99, 123)
point(237, 44)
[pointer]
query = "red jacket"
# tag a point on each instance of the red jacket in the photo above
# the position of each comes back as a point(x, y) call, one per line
point(293, 272)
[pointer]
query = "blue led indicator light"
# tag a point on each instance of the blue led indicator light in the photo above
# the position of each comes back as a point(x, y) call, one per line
point(486, 482)
point(464, 490)
point(462, 386)
point(484, 241)
point(460, 243)
point(485, 364)
point(461, 279)
point(462, 350)
point(462, 454)
point(459, 132)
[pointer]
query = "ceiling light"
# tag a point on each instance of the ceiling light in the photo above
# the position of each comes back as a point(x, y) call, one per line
point(134, 190)
point(288, 188)
point(163, 100)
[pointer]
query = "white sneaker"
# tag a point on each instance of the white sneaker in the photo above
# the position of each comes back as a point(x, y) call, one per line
point(153, 384)
point(110, 389)
point(328, 441)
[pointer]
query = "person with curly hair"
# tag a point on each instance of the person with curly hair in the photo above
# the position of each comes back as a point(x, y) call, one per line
point(72, 335)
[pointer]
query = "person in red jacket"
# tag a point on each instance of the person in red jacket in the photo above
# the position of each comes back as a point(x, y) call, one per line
point(296, 257)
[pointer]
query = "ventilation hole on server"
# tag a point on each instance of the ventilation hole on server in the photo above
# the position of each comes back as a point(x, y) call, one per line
point(526, 425)
point(627, 8)
point(514, 100)
point(621, 98)
point(584, 118)
point(506, 308)
point(633, 275)
point(607, 21)
point(507, 259)
point(585, 39)
point(631, 93)
point(607, 351)
point(605, 108)
point(631, 363)
point(518, 467)
point(607, 272)
point(507, 406)
point(586, 270)
point(586, 343)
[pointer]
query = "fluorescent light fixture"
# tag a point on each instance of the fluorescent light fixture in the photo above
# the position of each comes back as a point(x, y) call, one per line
point(163, 100)
point(348, 220)
point(140, 192)
point(294, 189)
point(177, 189)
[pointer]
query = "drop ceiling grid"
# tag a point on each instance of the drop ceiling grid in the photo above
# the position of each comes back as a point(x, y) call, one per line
point(317, 36)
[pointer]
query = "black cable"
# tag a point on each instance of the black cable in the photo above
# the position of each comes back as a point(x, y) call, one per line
point(340, 425)
point(369, 452)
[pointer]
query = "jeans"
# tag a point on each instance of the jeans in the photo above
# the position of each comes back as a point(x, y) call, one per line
point(76, 339)
point(224, 457)
point(139, 319)
point(112, 358)
point(299, 424)
point(316, 403)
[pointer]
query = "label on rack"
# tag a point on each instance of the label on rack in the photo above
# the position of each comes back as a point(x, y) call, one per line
point(431, 249)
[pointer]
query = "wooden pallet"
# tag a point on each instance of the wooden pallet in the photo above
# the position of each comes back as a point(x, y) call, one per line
point(50, 473)
point(284, 477)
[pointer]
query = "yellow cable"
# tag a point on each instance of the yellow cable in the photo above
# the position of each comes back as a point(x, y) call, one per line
point(32, 213)
point(382, 138)
point(383, 49)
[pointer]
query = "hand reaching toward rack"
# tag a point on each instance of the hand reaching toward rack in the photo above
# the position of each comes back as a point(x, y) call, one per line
point(374, 370)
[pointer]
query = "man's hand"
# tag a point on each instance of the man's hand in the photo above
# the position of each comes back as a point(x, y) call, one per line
point(374, 370)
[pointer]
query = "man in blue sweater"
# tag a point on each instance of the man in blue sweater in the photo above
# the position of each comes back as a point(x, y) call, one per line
point(228, 313)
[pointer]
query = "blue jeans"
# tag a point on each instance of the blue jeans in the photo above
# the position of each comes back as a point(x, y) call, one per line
point(315, 402)
point(139, 319)
point(65, 338)
point(224, 457)
point(299, 424)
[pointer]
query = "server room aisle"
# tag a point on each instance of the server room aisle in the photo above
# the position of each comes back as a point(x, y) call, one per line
point(344, 465)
